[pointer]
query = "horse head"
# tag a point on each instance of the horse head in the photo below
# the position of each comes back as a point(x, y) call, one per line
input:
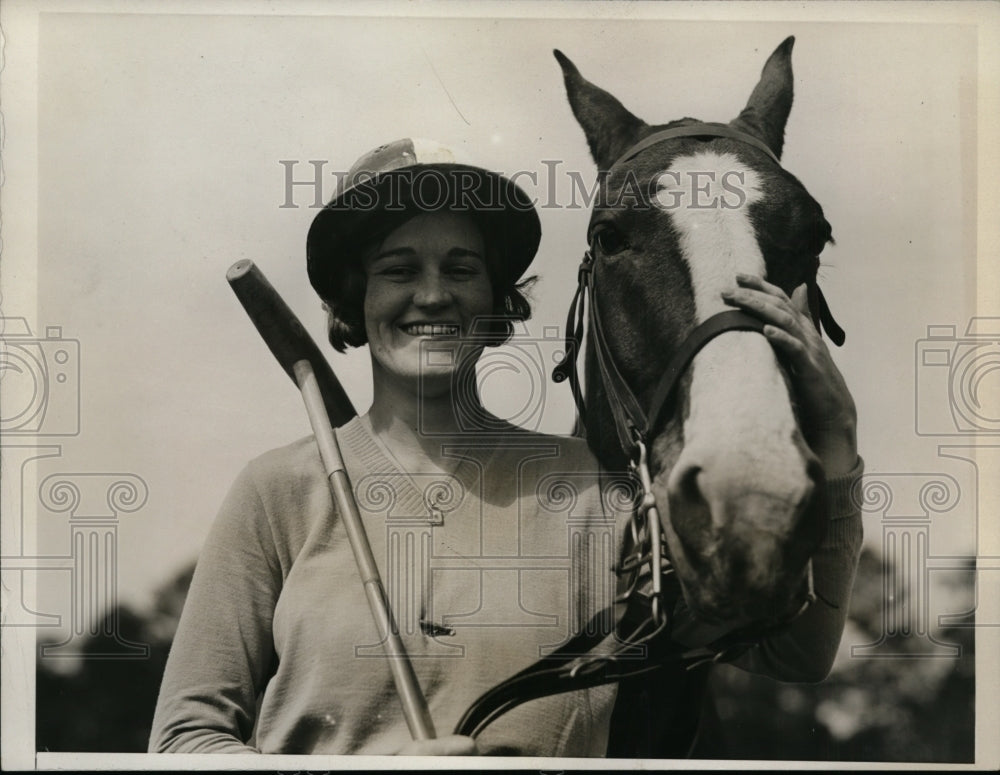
point(674, 221)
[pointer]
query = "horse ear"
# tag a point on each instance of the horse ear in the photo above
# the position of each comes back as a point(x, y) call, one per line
point(609, 127)
point(768, 107)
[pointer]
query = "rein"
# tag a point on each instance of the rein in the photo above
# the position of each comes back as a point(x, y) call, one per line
point(642, 633)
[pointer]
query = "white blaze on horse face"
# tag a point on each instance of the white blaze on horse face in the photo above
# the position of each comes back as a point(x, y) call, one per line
point(708, 196)
point(740, 421)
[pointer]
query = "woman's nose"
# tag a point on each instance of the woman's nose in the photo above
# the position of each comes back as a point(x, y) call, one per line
point(431, 292)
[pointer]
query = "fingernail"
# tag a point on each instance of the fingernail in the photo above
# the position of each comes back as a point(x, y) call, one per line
point(740, 277)
point(727, 294)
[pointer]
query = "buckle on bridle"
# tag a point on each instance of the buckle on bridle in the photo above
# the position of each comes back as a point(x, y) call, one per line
point(637, 456)
point(566, 368)
point(646, 512)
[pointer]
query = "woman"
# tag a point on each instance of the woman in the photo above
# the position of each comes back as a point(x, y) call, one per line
point(484, 532)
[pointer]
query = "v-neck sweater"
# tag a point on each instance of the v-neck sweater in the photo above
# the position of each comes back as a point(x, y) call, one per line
point(486, 569)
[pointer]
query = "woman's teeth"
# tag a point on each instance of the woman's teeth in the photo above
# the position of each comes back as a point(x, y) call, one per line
point(431, 329)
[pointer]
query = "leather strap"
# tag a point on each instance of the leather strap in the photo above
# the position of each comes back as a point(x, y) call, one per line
point(572, 667)
point(629, 417)
point(719, 323)
point(566, 368)
point(823, 317)
point(695, 130)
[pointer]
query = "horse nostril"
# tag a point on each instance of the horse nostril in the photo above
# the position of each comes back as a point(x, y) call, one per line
point(689, 509)
point(684, 486)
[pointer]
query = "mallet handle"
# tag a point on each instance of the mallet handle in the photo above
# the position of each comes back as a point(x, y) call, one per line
point(418, 717)
point(299, 356)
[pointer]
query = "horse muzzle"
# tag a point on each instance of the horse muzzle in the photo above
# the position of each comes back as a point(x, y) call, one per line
point(741, 534)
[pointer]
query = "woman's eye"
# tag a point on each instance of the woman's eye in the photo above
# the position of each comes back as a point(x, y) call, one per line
point(463, 271)
point(400, 271)
point(610, 240)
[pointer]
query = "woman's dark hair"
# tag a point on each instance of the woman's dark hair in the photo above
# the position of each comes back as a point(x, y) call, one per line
point(346, 315)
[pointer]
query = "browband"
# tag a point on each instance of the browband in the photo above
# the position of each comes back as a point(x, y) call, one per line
point(696, 130)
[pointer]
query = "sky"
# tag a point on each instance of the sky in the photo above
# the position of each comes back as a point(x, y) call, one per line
point(161, 144)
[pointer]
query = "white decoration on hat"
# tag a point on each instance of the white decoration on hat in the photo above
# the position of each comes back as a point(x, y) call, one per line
point(432, 152)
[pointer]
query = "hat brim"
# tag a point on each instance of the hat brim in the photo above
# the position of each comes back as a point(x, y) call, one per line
point(364, 213)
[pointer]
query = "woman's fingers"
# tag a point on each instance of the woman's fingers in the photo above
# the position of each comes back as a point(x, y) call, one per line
point(799, 345)
point(753, 281)
point(800, 300)
point(789, 327)
point(827, 408)
point(792, 347)
point(772, 305)
point(763, 300)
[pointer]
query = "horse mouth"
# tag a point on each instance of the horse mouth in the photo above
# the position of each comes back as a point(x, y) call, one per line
point(746, 566)
point(724, 610)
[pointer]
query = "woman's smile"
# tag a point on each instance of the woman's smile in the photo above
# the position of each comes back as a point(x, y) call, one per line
point(436, 330)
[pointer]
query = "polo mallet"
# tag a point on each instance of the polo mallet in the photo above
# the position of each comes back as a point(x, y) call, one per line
point(326, 401)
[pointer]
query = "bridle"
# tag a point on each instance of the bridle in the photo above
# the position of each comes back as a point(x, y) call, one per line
point(643, 628)
point(634, 425)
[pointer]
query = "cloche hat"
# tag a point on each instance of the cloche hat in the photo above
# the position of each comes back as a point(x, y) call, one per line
point(392, 183)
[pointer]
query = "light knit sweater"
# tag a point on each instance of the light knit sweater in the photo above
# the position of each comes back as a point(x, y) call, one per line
point(501, 561)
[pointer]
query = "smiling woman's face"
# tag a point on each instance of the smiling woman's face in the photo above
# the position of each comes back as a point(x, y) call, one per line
point(427, 282)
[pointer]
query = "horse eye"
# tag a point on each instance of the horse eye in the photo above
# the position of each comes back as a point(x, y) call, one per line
point(610, 240)
point(817, 234)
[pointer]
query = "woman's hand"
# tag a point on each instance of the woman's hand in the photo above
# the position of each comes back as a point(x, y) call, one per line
point(452, 745)
point(827, 411)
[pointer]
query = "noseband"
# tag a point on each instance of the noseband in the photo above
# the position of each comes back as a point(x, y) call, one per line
point(642, 632)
